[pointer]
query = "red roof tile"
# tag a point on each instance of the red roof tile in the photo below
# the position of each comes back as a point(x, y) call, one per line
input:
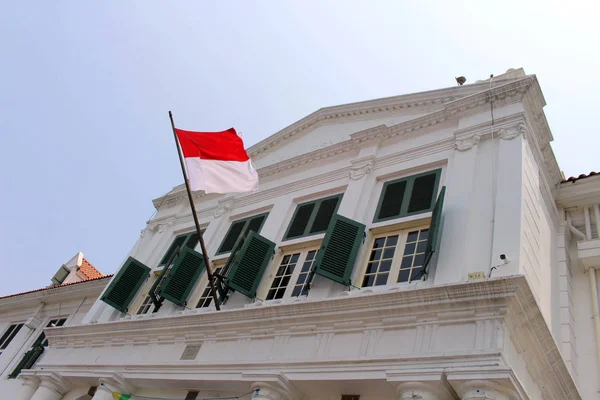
point(88, 270)
point(54, 287)
point(582, 176)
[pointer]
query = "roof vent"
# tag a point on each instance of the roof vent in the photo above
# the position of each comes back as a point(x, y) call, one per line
point(190, 352)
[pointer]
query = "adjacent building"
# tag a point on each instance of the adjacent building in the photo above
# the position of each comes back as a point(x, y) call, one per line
point(24, 316)
point(423, 246)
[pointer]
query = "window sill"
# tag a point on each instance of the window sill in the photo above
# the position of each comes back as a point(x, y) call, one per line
point(400, 223)
point(395, 287)
point(303, 242)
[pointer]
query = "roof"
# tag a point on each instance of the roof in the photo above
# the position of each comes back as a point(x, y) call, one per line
point(54, 287)
point(582, 176)
point(89, 271)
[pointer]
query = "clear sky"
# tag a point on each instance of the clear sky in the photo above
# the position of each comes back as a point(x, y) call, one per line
point(85, 87)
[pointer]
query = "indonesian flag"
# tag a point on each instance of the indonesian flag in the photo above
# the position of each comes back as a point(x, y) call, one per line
point(217, 162)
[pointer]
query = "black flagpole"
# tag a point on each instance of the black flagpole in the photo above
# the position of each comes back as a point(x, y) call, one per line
point(189, 192)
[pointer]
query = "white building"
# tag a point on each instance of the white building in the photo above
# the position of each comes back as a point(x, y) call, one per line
point(23, 317)
point(461, 180)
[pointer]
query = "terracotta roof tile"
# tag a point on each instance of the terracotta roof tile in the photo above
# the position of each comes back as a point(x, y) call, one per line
point(88, 270)
point(582, 176)
point(54, 287)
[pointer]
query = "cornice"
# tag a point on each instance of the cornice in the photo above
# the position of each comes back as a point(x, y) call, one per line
point(579, 193)
point(452, 107)
point(57, 293)
point(507, 299)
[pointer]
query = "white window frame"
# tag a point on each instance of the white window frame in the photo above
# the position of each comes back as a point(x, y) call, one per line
point(274, 267)
point(402, 230)
point(147, 306)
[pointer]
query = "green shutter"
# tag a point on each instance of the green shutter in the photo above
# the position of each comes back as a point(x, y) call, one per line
point(126, 284)
point(60, 275)
point(28, 360)
point(249, 264)
point(183, 276)
point(434, 229)
point(337, 255)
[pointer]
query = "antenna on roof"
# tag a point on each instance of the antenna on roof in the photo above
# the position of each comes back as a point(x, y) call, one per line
point(460, 80)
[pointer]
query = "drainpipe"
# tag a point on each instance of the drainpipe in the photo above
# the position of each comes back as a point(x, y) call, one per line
point(595, 309)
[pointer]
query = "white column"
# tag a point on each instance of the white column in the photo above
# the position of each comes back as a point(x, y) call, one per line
point(28, 388)
point(48, 390)
point(482, 390)
point(588, 223)
point(422, 391)
point(266, 391)
point(103, 393)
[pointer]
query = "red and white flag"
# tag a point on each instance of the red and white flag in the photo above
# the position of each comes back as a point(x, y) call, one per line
point(217, 161)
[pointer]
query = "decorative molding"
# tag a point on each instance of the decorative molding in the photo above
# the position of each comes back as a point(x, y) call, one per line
point(512, 132)
point(117, 383)
point(272, 386)
point(453, 107)
point(223, 206)
point(55, 382)
point(467, 143)
point(361, 167)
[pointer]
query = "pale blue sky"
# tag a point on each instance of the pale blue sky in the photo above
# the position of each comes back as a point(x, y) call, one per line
point(85, 88)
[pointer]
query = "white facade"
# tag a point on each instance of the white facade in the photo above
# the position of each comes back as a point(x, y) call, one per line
point(24, 316)
point(525, 333)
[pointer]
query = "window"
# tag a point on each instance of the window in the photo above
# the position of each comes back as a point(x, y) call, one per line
point(9, 335)
point(189, 240)
point(293, 275)
point(206, 298)
point(396, 257)
point(52, 324)
point(239, 228)
point(312, 217)
point(33, 354)
point(408, 196)
point(283, 275)
point(145, 306)
point(305, 276)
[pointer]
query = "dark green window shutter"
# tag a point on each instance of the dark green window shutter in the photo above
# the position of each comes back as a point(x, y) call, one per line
point(300, 221)
point(326, 210)
point(434, 229)
point(60, 275)
point(126, 284)
point(28, 360)
point(183, 276)
point(337, 255)
point(249, 264)
point(391, 201)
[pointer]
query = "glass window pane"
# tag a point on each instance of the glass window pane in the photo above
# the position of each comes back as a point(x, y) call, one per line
point(300, 221)
point(381, 279)
point(385, 266)
point(378, 243)
point(419, 259)
point(421, 247)
point(232, 236)
point(404, 275)
point(375, 255)
point(295, 258)
point(424, 234)
point(301, 278)
point(406, 262)
point(324, 214)
point(368, 280)
point(391, 241)
point(412, 236)
point(389, 253)
point(422, 193)
point(410, 248)
point(392, 200)
point(296, 291)
point(372, 267)
point(271, 294)
point(256, 223)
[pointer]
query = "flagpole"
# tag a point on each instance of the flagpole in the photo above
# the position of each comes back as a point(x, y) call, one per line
point(189, 192)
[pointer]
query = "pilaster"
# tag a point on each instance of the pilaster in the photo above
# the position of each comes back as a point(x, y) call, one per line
point(51, 387)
